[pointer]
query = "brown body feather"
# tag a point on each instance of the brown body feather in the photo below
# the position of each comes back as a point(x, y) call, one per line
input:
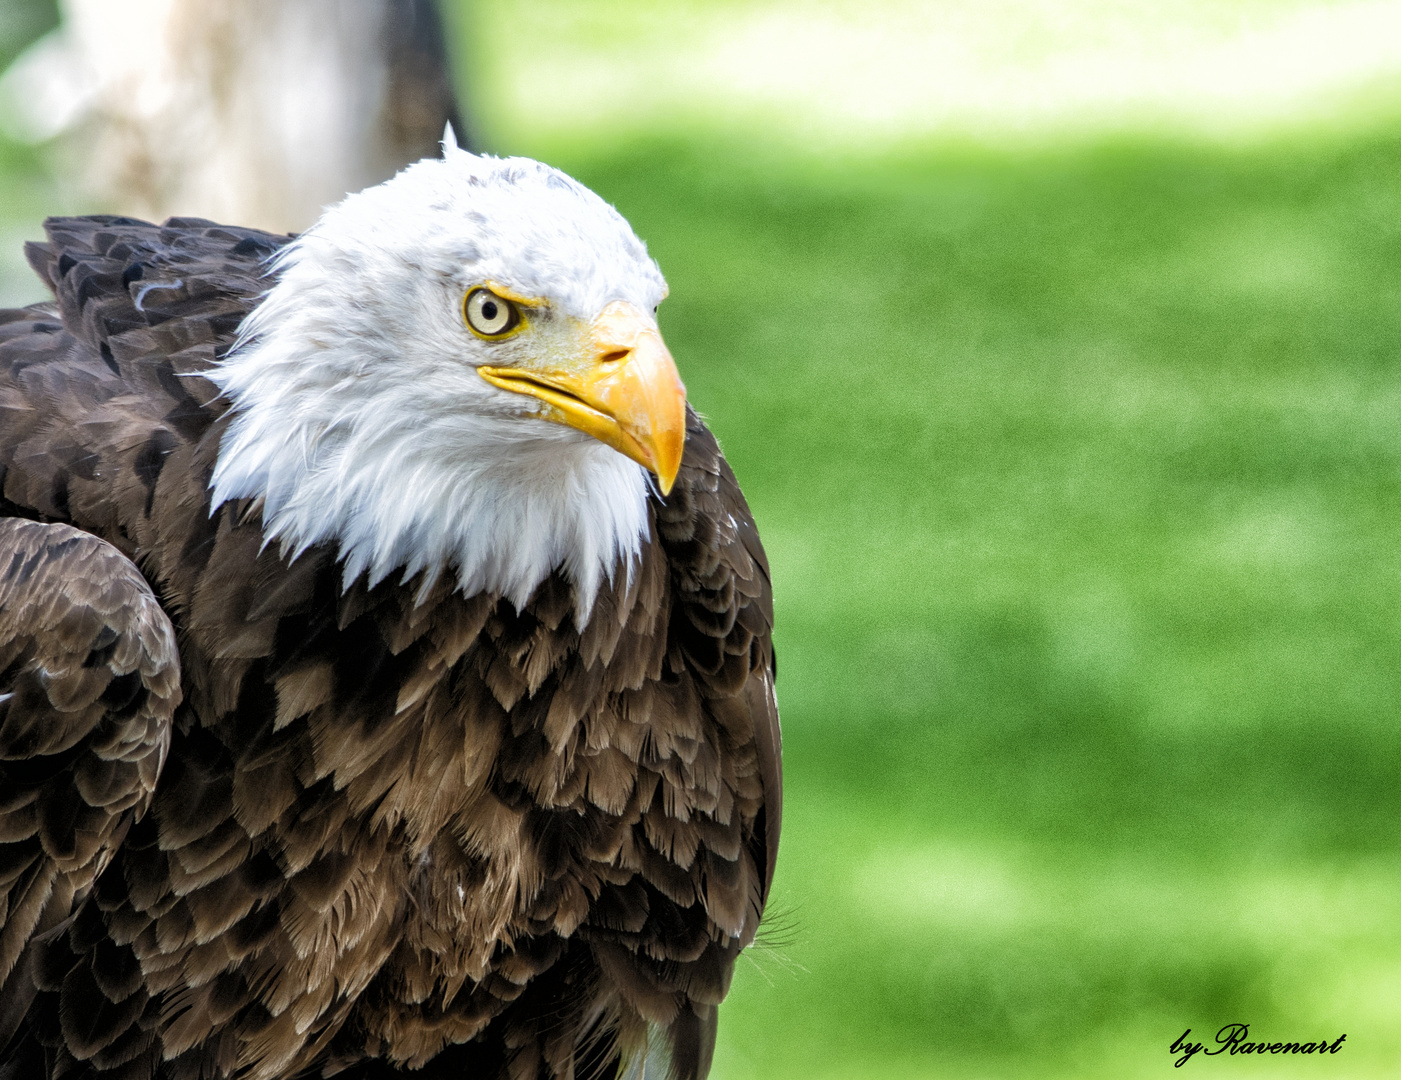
point(449, 836)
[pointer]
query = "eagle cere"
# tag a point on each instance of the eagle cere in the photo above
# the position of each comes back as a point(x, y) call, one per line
point(386, 651)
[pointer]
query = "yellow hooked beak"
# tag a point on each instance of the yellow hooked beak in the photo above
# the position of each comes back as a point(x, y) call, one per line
point(624, 390)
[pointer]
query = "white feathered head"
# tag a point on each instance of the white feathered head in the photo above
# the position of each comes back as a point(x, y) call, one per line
point(459, 369)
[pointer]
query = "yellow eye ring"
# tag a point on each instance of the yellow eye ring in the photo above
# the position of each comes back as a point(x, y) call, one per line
point(489, 315)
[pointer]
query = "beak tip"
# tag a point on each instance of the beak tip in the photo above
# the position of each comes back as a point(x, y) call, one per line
point(667, 463)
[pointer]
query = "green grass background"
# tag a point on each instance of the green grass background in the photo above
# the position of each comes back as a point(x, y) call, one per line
point(1079, 467)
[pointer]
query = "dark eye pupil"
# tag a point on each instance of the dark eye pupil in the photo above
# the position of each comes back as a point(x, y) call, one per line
point(489, 310)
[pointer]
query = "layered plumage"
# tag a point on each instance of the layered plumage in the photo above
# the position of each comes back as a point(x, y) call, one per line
point(419, 789)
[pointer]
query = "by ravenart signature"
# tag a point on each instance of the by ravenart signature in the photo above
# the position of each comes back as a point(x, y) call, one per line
point(1232, 1039)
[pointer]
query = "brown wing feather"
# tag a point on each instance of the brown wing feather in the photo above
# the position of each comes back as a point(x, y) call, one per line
point(727, 805)
point(89, 681)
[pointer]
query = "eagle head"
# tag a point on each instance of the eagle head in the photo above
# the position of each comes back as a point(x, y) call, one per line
point(459, 371)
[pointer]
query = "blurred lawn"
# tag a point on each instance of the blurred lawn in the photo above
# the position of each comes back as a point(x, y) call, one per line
point(1080, 473)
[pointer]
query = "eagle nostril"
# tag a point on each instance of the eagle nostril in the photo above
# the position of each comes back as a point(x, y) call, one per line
point(616, 356)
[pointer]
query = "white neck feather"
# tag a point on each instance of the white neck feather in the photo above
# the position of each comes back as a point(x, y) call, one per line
point(401, 491)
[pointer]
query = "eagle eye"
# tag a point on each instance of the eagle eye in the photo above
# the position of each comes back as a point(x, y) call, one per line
point(489, 315)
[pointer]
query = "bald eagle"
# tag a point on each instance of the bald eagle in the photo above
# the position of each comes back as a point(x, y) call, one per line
point(386, 680)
